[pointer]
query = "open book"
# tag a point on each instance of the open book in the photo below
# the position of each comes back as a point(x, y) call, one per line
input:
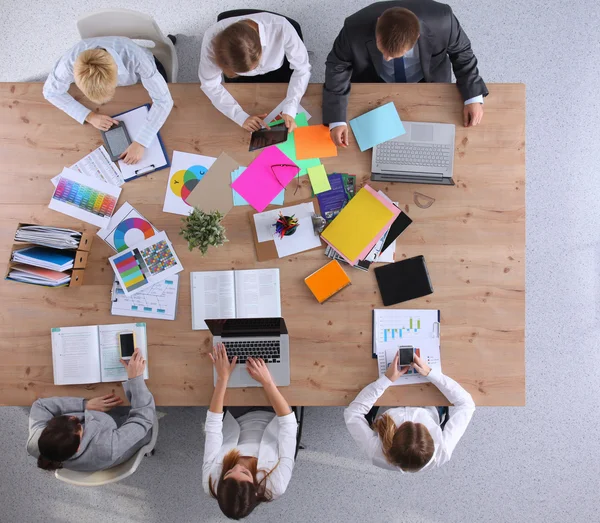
point(91, 354)
point(234, 294)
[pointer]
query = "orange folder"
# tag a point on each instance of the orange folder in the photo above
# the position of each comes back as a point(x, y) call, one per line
point(328, 280)
point(313, 141)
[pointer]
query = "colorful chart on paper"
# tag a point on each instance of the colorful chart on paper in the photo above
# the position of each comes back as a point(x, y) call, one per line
point(84, 197)
point(158, 257)
point(131, 231)
point(132, 270)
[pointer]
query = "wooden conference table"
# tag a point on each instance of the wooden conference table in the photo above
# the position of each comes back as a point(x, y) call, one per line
point(473, 238)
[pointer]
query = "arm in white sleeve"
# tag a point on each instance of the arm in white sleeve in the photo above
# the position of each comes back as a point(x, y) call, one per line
point(354, 415)
point(459, 415)
point(56, 92)
point(475, 100)
point(162, 102)
point(297, 55)
point(280, 477)
point(211, 85)
point(333, 125)
point(212, 444)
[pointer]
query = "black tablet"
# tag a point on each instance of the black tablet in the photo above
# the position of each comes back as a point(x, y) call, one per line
point(116, 140)
point(404, 280)
point(266, 137)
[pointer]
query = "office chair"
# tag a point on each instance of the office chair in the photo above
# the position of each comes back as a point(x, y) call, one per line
point(299, 412)
point(281, 75)
point(134, 25)
point(113, 474)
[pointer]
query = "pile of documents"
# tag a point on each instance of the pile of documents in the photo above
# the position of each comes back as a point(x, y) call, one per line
point(54, 237)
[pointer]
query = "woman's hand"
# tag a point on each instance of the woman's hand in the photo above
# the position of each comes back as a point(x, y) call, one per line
point(221, 362)
point(136, 365)
point(420, 366)
point(290, 123)
point(393, 372)
point(255, 123)
point(101, 122)
point(258, 370)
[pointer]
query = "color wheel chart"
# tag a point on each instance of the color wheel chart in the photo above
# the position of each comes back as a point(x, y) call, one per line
point(84, 197)
point(184, 181)
point(399, 329)
point(132, 270)
point(131, 231)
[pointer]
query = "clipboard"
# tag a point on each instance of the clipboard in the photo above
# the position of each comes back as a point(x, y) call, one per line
point(143, 170)
point(266, 251)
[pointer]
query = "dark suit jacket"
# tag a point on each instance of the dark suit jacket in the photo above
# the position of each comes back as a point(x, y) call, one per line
point(355, 57)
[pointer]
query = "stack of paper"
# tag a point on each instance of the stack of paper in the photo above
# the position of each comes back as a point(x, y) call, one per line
point(38, 276)
point(97, 165)
point(52, 259)
point(360, 224)
point(54, 237)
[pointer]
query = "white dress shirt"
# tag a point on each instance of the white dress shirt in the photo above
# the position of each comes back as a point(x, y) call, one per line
point(276, 445)
point(278, 39)
point(134, 63)
point(413, 72)
point(445, 440)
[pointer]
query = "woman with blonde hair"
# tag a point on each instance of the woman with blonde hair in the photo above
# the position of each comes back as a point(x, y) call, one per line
point(249, 452)
point(409, 439)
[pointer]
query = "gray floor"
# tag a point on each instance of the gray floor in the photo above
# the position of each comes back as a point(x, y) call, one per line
point(538, 463)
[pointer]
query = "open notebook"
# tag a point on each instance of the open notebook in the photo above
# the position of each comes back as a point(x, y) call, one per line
point(234, 294)
point(91, 354)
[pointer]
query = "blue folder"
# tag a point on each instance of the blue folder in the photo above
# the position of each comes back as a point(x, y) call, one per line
point(377, 126)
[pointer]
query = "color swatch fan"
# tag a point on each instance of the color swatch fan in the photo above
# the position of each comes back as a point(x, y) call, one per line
point(186, 171)
point(127, 228)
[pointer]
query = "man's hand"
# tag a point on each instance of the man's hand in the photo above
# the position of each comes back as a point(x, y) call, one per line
point(103, 403)
point(393, 372)
point(221, 362)
point(259, 371)
point(339, 135)
point(101, 121)
point(136, 365)
point(133, 153)
point(255, 123)
point(290, 123)
point(421, 366)
point(472, 114)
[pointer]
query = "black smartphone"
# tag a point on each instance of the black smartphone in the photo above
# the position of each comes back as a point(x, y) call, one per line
point(267, 137)
point(407, 356)
point(116, 140)
point(126, 344)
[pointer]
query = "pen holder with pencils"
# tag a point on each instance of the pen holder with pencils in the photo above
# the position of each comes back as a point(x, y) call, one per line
point(285, 225)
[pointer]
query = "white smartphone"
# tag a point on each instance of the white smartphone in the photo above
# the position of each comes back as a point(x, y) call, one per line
point(126, 344)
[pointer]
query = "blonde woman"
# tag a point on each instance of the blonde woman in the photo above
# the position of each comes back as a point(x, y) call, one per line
point(98, 66)
point(409, 439)
point(249, 452)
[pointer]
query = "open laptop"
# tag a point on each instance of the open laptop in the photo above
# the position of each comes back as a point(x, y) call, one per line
point(424, 154)
point(265, 338)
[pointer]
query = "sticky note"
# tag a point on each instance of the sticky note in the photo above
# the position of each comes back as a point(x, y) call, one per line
point(265, 177)
point(318, 179)
point(377, 126)
point(289, 147)
point(238, 200)
point(314, 141)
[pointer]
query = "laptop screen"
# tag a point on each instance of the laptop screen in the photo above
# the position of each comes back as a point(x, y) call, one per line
point(242, 327)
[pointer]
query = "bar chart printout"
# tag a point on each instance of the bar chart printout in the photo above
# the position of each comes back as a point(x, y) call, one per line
point(399, 329)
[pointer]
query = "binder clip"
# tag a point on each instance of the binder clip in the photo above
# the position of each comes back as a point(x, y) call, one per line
point(319, 224)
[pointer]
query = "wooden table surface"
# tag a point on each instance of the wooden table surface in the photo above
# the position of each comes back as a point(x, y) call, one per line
point(473, 239)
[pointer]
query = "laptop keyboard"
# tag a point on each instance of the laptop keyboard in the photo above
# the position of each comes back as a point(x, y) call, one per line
point(267, 350)
point(406, 153)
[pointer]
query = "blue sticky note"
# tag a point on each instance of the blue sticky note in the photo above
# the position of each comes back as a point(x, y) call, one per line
point(238, 200)
point(377, 126)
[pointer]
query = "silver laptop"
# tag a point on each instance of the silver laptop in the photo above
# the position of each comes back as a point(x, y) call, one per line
point(265, 338)
point(424, 154)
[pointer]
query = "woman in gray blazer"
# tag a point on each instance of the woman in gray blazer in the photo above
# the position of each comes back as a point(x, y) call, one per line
point(76, 434)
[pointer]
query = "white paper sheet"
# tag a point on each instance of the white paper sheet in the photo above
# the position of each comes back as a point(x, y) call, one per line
point(213, 296)
point(133, 235)
point(111, 367)
point(275, 113)
point(257, 293)
point(302, 240)
point(264, 221)
point(186, 170)
point(75, 355)
point(98, 165)
point(153, 157)
point(76, 193)
point(159, 302)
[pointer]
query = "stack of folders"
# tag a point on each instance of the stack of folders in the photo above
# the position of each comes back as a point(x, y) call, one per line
point(54, 237)
point(365, 228)
point(42, 266)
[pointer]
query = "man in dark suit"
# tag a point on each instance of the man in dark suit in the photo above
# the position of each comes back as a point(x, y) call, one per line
point(400, 41)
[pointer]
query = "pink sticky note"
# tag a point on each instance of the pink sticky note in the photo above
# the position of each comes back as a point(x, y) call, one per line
point(258, 185)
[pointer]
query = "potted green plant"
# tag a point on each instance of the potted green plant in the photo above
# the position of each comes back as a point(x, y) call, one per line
point(203, 229)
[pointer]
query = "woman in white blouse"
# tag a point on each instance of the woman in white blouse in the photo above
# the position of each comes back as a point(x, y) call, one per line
point(248, 456)
point(252, 45)
point(409, 439)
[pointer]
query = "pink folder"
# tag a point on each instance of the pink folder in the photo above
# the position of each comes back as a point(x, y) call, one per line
point(260, 183)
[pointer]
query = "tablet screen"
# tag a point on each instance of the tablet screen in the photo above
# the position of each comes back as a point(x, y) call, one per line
point(266, 137)
point(116, 139)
